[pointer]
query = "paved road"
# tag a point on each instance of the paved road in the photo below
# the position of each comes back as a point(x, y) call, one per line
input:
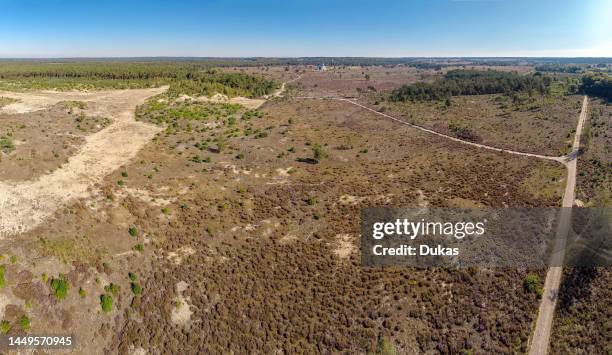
point(541, 333)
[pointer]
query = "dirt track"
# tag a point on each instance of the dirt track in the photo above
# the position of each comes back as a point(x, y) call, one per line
point(26, 204)
point(541, 333)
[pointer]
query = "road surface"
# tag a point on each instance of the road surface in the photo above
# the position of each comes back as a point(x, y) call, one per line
point(541, 333)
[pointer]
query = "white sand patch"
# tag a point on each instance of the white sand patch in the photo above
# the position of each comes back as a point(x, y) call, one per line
point(26, 204)
point(139, 351)
point(181, 311)
point(234, 169)
point(345, 246)
point(350, 199)
point(177, 256)
point(39, 100)
point(244, 101)
point(284, 172)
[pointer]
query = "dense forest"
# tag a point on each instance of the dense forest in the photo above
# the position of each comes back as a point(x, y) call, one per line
point(472, 82)
point(559, 68)
point(183, 77)
point(597, 84)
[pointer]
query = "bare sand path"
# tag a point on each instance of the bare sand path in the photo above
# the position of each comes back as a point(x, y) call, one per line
point(25, 204)
point(541, 333)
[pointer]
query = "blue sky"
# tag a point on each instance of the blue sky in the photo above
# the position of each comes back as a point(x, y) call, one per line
point(392, 28)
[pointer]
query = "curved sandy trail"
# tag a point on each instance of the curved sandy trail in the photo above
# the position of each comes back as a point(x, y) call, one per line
point(25, 204)
point(541, 333)
point(562, 159)
point(281, 90)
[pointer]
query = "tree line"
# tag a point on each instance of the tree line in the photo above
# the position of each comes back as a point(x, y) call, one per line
point(472, 82)
point(597, 84)
point(183, 77)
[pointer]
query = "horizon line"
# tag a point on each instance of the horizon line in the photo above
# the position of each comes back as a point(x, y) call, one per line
point(302, 57)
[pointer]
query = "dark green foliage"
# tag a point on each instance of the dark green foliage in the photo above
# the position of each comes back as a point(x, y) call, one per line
point(133, 231)
point(532, 284)
point(106, 302)
point(597, 85)
point(463, 132)
point(161, 112)
point(559, 68)
point(2, 279)
point(60, 287)
point(252, 114)
point(24, 323)
point(191, 78)
point(472, 82)
point(136, 289)
point(5, 327)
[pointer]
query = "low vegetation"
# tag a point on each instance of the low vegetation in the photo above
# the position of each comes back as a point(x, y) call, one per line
point(6, 144)
point(4, 101)
point(2, 277)
point(60, 287)
point(106, 302)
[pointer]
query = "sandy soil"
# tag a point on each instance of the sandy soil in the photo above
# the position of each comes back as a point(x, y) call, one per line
point(25, 204)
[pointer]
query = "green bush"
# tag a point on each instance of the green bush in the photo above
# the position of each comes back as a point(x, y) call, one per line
point(60, 287)
point(2, 279)
point(6, 144)
point(24, 323)
point(5, 327)
point(133, 231)
point(136, 289)
point(532, 284)
point(318, 152)
point(106, 302)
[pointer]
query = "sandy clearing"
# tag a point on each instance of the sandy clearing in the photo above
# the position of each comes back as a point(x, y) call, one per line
point(244, 101)
point(25, 204)
point(39, 100)
point(345, 246)
point(181, 312)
